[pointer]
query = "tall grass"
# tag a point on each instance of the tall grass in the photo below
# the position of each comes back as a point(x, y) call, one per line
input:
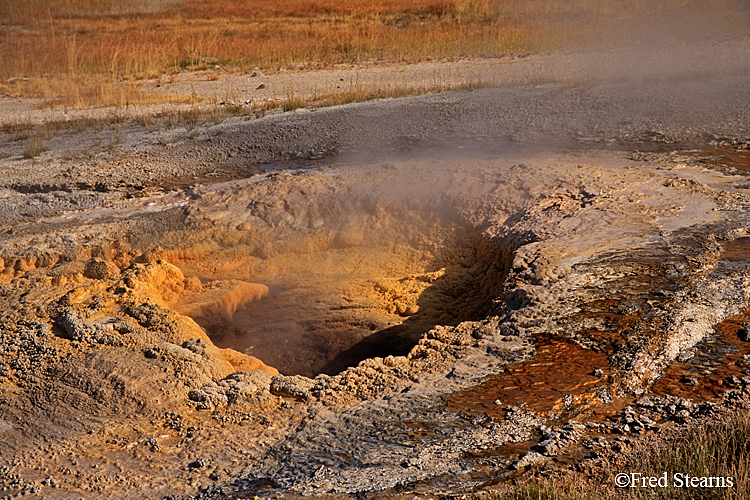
point(719, 450)
point(548, 489)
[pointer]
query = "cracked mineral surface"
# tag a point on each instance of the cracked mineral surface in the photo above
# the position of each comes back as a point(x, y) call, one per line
point(418, 296)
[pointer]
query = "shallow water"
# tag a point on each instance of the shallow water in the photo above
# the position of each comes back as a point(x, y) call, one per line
point(560, 369)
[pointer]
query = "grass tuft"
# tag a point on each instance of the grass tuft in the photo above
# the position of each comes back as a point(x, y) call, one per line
point(34, 147)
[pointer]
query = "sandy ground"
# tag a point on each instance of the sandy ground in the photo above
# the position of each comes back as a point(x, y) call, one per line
point(394, 260)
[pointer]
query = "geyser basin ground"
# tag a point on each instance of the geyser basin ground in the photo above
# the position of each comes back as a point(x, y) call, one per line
point(405, 282)
point(426, 290)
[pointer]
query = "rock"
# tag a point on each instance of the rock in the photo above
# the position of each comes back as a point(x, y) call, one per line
point(236, 388)
point(210, 395)
point(530, 458)
point(99, 269)
point(549, 446)
point(744, 333)
point(295, 386)
point(196, 345)
point(198, 463)
point(690, 380)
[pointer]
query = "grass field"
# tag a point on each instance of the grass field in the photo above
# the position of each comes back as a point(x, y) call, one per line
point(94, 52)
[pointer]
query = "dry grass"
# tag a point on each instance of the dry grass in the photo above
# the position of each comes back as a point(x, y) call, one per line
point(73, 51)
point(81, 92)
point(361, 94)
point(715, 449)
point(34, 147)
point(720, 449)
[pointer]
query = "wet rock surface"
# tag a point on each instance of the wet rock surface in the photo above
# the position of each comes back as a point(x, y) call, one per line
point(417, 297)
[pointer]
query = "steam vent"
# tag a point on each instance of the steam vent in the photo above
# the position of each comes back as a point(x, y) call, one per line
point(413, 297)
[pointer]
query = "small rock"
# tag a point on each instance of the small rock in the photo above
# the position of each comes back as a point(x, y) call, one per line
point(690, 380)
point(530, 458)
point(549, 446)
point(98, 269)
point(196, 345)
point(732, 381)
point(744, 333)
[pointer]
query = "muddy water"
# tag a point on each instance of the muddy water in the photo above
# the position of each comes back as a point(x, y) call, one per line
point(561, 370)
point(324, 325)
point(706, 375)
point(713, 366)
point(729, 157)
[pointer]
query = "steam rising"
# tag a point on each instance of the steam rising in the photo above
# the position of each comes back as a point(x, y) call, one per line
point(359, 262)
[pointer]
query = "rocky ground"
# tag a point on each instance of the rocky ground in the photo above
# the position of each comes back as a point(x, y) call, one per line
point(414, 297)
